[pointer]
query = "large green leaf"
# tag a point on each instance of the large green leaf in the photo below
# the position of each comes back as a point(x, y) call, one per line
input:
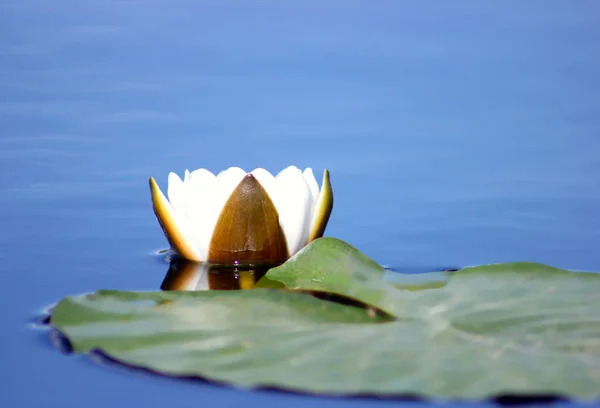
point(510, 328)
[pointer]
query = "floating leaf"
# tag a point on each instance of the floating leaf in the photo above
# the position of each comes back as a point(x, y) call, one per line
point(517, 328)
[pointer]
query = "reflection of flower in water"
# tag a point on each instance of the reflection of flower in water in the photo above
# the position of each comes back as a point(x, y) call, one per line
point(186, 275)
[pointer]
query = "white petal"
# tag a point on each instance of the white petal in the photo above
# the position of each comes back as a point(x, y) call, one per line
point(293, 201)
point(234, 170)
point(186, 176)
point(175, 192)
point(200, 208)
point(200, 171)
point(312, 184)
point(266, 180)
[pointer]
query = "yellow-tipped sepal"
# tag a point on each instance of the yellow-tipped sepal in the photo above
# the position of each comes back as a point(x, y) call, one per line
point(168, 221)
point(322, 209)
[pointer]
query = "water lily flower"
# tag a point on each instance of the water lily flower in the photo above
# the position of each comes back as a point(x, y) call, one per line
point(239, 217)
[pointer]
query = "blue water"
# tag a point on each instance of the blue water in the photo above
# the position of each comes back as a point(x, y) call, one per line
point(456, 133)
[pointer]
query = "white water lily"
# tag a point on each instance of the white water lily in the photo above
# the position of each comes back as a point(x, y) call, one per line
point(196, 276)
point(240, 217)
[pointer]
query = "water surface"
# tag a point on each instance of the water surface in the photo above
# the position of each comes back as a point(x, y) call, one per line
point(456, 134)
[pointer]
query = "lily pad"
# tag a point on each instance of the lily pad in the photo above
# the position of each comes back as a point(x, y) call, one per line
point(517, 328)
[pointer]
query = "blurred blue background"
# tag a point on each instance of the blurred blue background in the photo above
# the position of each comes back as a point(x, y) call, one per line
point(457, 133)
